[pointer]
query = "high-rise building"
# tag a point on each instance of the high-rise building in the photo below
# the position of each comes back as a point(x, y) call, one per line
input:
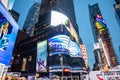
point(105, 52)
point(117, 12)
point(65, 7)
point(14, 14)
point(5, 3)
point(54, 47)
point(117, 1)
point(32, 19)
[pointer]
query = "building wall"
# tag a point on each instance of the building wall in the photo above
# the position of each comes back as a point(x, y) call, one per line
point(44, 31)
point(32, 19)
point(84, 54)
point(63, 6)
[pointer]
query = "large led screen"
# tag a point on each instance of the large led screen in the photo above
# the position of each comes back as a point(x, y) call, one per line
point(74, 49)
point(58, 18)
point(8, 33)
point(41, 60)
point(100, 24)
point(61, 44)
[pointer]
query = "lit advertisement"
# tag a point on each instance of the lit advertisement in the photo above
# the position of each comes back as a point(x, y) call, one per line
point(74, 49)
point(8, 33)
point(100, 24)
point(24, 62)
point(41, 60)
point(58, 18)
point(63, 45)
point(59, 44)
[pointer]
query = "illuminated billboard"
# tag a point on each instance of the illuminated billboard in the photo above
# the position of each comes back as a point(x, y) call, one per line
point(74, 49)
point(8, 33)
point(61, 44)
point(100, 24)
point(58, 18)
point(41, 60)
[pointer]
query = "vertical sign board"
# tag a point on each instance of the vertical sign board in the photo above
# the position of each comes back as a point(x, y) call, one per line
point(8, 33)
point(41, 60)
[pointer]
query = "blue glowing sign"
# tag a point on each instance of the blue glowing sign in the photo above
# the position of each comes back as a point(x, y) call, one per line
point(8, 33)
point(59, 43)
point(63, 44)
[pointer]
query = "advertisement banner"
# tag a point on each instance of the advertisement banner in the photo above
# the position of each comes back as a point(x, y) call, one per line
point(41, 56)
point(59, 44)
point(62, 44)
point(58, 18)
point(100, 24)
point(8, 33)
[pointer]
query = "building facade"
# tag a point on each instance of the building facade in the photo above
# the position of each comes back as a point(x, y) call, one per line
point(54, 47)
point(105, 52)
point(117, 1)
point(14, 14)
point(117, 12)
point(31, 19)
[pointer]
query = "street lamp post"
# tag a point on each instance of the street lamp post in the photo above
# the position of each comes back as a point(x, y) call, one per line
point(61, 62)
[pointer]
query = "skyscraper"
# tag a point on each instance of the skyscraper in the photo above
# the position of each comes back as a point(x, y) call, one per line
point(103, 48)
point(14, 14)
point(55, 43)
point(117, 1)
point(31, 19)
point(117, 11)
point(65, 7)
point(57, 21)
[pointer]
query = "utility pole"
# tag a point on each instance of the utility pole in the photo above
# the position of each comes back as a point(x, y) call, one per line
point(61, 62)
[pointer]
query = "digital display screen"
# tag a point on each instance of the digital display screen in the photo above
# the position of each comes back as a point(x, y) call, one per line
point(100, 24)
point(74, 49)
point(61, 44)
point(5, 32)
point(8, 33)
point(58, 18)
point(41, 56)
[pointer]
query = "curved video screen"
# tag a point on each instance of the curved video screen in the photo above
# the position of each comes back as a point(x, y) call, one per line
point(61, 44)
point(58, 18)
point(8, 33)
